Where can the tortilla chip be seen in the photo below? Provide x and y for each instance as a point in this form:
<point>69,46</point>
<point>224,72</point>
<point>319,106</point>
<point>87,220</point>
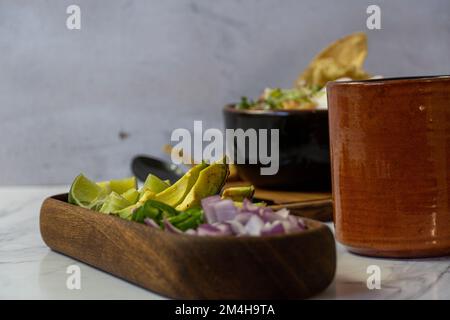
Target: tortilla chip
<point>344,58</point>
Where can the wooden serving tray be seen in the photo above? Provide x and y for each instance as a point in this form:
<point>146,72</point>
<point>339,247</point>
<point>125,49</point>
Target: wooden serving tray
<point>193,267</point>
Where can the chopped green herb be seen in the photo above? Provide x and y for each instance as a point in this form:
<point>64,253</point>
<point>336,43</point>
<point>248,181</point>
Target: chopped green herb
<point>245,103</point>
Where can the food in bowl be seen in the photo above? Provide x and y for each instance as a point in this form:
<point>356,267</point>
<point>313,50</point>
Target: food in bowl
<point>342,60</point>
<point>305,98</point>
<point>300,114</point>
<point>193,205</point>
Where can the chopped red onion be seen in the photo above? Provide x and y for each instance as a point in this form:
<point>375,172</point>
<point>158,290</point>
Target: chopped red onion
<point>208,208</point>
<point>224,228</point>
<point>170,227</point>
<point>210,200</point>
<point>248,206</point>
<point>269,216</point>
<point>236,227</point>
<point>254,226</point>
<point>151,223</point>
<point>224,210</point>
<point>290,227</point>
<point>224,218</point>
<point>273,228</point>
<point>243,217</point>
<point>209,230</point>
<point>296,223</point>
<point>283,213</point>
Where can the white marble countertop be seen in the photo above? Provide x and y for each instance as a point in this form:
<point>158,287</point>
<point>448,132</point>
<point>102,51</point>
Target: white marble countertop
<point>30,270</point>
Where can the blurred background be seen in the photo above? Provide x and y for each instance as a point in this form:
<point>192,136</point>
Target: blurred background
<point>88,100</point>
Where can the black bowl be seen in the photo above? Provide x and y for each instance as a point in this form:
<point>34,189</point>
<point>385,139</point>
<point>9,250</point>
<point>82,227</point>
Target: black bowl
<point>304,149</point>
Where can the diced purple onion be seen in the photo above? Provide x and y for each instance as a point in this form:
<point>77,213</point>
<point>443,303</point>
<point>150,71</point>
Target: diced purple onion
<point>224,210</point>
<point>210,200</point>
<point>269,216</point>
<point>224,228</point>
<point>208,208</point>
<point>243,217</point>
<point>283,213</point>
<point>151,223</point>
<point>236,227</point>
<point>170,227</point>
<point>248,206</point>
<point>273,228</point>
<point>191,232</point>
<point>296,224</point>
<point>254,225</point>
<point>209,230</point>
<point>224,218</point>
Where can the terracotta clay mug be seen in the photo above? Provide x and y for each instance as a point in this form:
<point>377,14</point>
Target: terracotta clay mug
<point>390,159</point>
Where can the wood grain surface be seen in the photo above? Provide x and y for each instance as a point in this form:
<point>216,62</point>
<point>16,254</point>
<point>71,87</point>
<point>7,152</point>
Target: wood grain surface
<point>312,205</point>
<point>191,267</point>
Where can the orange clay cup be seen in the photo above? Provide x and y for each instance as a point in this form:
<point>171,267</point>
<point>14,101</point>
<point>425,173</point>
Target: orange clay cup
<point>390,159</point>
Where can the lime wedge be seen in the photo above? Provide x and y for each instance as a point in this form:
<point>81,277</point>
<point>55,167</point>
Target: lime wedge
<point>84,192</point>
<point>97,204</point>
<point>106,187</point>
<point>155,184</point>
<point>132,195</point>
<point>127,212</point>
<point>122,185</point>
<point>114,203</point>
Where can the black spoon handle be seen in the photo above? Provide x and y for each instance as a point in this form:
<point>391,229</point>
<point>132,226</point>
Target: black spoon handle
<point>141,166</point>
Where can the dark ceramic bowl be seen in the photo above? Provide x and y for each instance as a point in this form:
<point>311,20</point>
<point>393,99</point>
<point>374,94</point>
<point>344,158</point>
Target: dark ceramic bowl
<point>304,151</point>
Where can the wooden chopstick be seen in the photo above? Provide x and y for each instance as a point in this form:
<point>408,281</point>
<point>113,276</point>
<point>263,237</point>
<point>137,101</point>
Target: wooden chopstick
<point>304,204</point>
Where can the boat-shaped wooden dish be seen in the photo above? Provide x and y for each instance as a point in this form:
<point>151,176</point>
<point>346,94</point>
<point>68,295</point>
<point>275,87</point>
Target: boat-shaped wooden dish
<point>290,266</point>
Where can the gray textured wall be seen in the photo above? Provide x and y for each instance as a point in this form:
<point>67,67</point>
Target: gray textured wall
<point>146,67</point>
